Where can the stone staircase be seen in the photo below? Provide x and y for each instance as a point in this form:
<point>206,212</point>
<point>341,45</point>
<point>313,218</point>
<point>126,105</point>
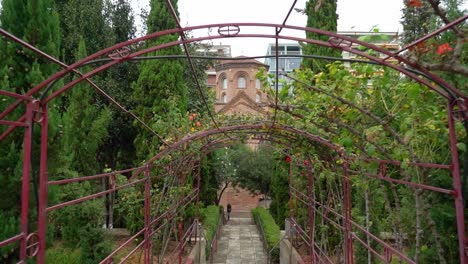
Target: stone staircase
<point>240,241</point>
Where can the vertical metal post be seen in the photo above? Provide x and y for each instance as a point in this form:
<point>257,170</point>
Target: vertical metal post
<point>457,186</point>
<point>291,211</point>
<point>27,143</point>
<point>147,254</point>
<point>197,209</point>
<point>43,178</point>
<point>290,191</point>
<point>181,236</point>
<point>349,258</point>
<point>198,182</point>
<point>310,176</point>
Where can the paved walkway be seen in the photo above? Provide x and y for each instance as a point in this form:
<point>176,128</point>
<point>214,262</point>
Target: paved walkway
<point>240,242</point>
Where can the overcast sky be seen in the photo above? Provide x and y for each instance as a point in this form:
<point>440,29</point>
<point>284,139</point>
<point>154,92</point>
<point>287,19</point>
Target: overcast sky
<point>355,15</point>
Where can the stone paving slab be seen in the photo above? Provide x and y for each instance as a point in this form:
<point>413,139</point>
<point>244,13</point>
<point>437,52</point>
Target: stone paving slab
<point>240,243</point>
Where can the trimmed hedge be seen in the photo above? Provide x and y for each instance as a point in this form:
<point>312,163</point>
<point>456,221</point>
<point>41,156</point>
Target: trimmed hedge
<point>271,230</point>
<point>210,218</point>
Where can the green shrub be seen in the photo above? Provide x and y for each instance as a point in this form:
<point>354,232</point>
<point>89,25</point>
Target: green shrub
<point>59,255</point>
<point>93,246</point>
<point>10,227</point>
<point>210,219</point>
<point>271,231</point>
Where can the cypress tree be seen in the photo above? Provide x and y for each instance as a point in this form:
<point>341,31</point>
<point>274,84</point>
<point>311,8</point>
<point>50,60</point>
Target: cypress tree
<point>82,19</point>
<point>160,91</point>
<point>84,130</point>
<point>85,127</point>
<point>35,21</point>
<point>321,15</point>
<point>118,151</point>
<point>417,22</point>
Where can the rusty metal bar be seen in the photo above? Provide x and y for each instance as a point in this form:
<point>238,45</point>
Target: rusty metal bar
<point>457,186</point>
<point>310,183</point>
<point>398,163</point>
<point>287,17</point>
<point>92,196</point>
<point>27,147</point>
<point>93,177</point>
<point>349,252</point>
<point>363,243</point>
<point>403,182</point>
<point>127,242</point>
<point>124,259</point>
<point>11,128</point>
<point>12,239</point>
<point>147,216</point>
<point>331,34</point>
<point>15,95</point>
<point>13,123</point>
<point>42,215</point>
<point>304,234</point>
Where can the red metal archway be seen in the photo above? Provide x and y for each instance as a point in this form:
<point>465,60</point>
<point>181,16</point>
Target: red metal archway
<point>32,243</point>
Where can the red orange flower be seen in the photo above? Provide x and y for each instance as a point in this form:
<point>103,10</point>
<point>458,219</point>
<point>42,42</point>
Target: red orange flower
<point>444,48</point>
<point>287,159</point>
<point>414,3</point>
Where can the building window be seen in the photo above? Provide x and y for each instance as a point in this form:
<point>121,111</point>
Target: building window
<point>257,98</point>
<point>225,83</point>
<point>224,98</point>
<point>258,85</point>
<point>241,82</point>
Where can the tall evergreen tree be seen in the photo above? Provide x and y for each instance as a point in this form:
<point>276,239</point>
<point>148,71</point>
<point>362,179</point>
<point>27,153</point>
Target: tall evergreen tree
<point>417,22</point>
<point>118,151</point>
<point>20,70</point>
<point>160,91</point>
<point>37,22</point>
<point>85,127</point>
<point>84,130</point>
<point>83,19</point>
<point>322,15</point>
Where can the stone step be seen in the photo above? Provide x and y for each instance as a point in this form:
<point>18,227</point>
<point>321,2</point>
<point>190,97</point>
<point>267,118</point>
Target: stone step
<point>240,221</point>
<point>242,214</point>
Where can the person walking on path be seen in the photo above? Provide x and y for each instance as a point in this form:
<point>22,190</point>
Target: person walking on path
<point>229,208</point>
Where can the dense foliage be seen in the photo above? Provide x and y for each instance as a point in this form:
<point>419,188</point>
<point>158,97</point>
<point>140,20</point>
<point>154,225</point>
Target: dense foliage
<point>160,93</point>
<point>270,229</point>
<point>321,15</point>
<point>211,219</point>
<point>368,111</point>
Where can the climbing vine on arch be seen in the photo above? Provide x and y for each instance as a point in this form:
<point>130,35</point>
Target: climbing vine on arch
<point>375,113</point>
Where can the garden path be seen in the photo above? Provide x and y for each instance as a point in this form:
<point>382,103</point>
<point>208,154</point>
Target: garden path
<point>240,242</point>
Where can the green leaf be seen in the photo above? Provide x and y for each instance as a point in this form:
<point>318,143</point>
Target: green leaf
<point>370,149</point>
<point>347,142</point>
<point>405,164</point>
<point>413,91</point>
<point>424,248</point>
<point>461,147</point>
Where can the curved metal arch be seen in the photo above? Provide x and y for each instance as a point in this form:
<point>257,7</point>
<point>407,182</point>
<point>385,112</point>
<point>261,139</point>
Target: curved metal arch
<point>451,91</point>
<point>221,130</point>
<point>336,45</point>
<point>332,44</point>
<point>399,68</point>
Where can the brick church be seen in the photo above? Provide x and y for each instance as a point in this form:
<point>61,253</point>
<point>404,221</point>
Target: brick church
<point>238,91</point>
